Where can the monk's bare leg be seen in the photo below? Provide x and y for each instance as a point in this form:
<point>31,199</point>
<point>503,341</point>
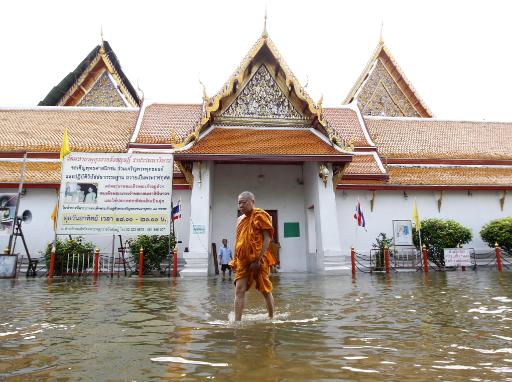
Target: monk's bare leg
<point>240,289</point>
<point>269,299</point>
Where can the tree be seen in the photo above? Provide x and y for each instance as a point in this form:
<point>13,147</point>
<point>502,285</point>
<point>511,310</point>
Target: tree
<point>498,231</point>
<point>381,242</point>
<point>84,252</point>
<point>156,250</point>
<point>438,234</point>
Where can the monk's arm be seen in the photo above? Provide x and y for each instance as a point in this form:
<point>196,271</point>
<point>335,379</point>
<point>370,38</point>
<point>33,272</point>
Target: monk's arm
<point>266,242</point>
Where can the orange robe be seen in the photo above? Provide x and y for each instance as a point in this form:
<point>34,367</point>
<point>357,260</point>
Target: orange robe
<point>249,240</point>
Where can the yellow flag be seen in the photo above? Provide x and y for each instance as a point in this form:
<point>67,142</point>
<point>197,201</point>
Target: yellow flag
<point>64,150</point>
<point>415,216</point>
<point>54,216</point>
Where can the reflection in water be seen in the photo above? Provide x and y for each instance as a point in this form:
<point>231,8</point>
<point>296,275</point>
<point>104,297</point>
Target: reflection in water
<point>448,326</point>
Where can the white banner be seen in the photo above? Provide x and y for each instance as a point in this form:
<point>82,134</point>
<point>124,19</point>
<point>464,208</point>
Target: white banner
<point>455,257</point>
<point>126,194</point>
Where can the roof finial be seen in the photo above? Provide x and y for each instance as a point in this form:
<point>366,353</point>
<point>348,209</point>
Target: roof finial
<point>102,46</point>
<point>206,99</point>
<point>381,37</point>
<point>141,92</point>
<point>264,34</point>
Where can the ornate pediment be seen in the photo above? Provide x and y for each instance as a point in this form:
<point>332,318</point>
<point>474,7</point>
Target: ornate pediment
<point>381,95</point>
<point>262,98</point>
<point>103,93</point>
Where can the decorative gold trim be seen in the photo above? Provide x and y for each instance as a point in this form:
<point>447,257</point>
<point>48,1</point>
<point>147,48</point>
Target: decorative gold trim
<point>337,173</point>
<point>186,170</point>
<point>364,74</point>
<point>214,103</point>
<point>502,199</point>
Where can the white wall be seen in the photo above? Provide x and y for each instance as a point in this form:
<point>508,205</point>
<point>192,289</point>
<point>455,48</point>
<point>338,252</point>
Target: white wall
<point>276,187</point>
<point>39,232</point>
<point>472,210</point>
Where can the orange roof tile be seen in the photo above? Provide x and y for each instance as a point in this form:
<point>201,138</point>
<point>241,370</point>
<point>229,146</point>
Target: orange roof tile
<point>35,172</point>
<point>347,125</point>
<point>160,120</point>
<point>453,176</point>
<point>260,141</point>
<point>89,130</point>
<point>438,139</point>
<point>363,165</point>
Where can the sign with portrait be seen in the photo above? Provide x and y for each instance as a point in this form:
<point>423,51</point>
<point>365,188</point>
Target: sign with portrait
<point>127,194</point>
<point>7,211</point>
<point>457,257</point>
<point>402,232</point>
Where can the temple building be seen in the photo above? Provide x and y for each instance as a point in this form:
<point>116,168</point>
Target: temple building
<point>308,166</point>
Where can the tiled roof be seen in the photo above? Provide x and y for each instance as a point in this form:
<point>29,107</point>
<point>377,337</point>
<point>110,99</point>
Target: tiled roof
<point>437,139</point>
<point>363,165</point>
<point>454,176</point>
<point>346,124</point>
<point>89,130</point>
<point>35,172</point>
<point>160,120</point>
<point>259,141</point>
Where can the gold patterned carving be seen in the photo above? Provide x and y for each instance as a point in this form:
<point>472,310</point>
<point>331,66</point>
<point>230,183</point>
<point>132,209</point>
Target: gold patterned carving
<point>186,170</point>
<point>381,95</point>
<point>262,98</point>
<point>103,93</point>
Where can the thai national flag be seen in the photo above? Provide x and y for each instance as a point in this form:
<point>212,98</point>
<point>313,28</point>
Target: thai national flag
<point>359,216</point>
<point>176,211</point>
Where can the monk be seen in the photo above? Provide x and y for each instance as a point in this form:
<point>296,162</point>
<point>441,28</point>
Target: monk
<point>252,260</point>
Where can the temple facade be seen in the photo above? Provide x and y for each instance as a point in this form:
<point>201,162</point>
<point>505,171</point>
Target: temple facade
<point>307,165</point>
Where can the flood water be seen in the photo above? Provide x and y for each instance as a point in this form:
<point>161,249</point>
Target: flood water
<point>454,326</point>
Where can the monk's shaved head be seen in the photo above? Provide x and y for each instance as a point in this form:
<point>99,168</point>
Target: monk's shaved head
<point>246,195</point>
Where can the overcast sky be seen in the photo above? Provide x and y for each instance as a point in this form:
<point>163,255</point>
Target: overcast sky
<point>457,54</point>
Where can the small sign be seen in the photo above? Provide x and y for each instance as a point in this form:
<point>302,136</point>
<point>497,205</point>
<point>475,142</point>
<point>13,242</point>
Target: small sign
<point>199,228</point>
<point>8,266</point>
<point>291,230</point>
<point>456,257</point>
<point>402,232</point>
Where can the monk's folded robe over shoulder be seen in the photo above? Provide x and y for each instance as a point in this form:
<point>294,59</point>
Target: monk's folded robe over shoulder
<point>249,241</point>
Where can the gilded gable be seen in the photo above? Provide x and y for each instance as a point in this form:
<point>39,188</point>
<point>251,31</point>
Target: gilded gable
<point>262,98</point>
<point>380,95</point>
<point>103,93</point>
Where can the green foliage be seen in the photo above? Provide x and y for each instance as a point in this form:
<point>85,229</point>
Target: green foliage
<point>498,231</point>
<point>381,241</point>
<point>72,247</point>
<point>438,234</point>
<point>156,250</point>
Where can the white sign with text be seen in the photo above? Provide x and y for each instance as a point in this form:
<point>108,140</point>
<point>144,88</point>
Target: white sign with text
<point>456,257</point>
<point>126,194</point>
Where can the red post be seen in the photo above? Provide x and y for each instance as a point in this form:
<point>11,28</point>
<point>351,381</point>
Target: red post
<point>353,260</point>
<point>175,263</point>
<point>141,261</point>
<point>498,257</point>
<point>386,258</point>
<point>95,270</point>
<point>52,263</point>
<point>425,259</point>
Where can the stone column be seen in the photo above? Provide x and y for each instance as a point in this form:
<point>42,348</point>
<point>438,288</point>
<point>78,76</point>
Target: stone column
<point>196,260</point>
<point>323,198</point>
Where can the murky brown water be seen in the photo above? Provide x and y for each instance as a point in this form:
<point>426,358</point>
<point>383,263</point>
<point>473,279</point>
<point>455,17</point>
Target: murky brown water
<point>447,326</point>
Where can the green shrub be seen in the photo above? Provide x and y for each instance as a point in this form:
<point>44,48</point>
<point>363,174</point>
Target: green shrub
<point>498,231</point>
<point>438,234</point>
<point>156,250</point>
<point>70,247</point>
<point>381,241</point>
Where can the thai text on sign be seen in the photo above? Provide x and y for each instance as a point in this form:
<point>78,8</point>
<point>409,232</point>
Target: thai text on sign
<point>455,257</point>
<point>126,194</point>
